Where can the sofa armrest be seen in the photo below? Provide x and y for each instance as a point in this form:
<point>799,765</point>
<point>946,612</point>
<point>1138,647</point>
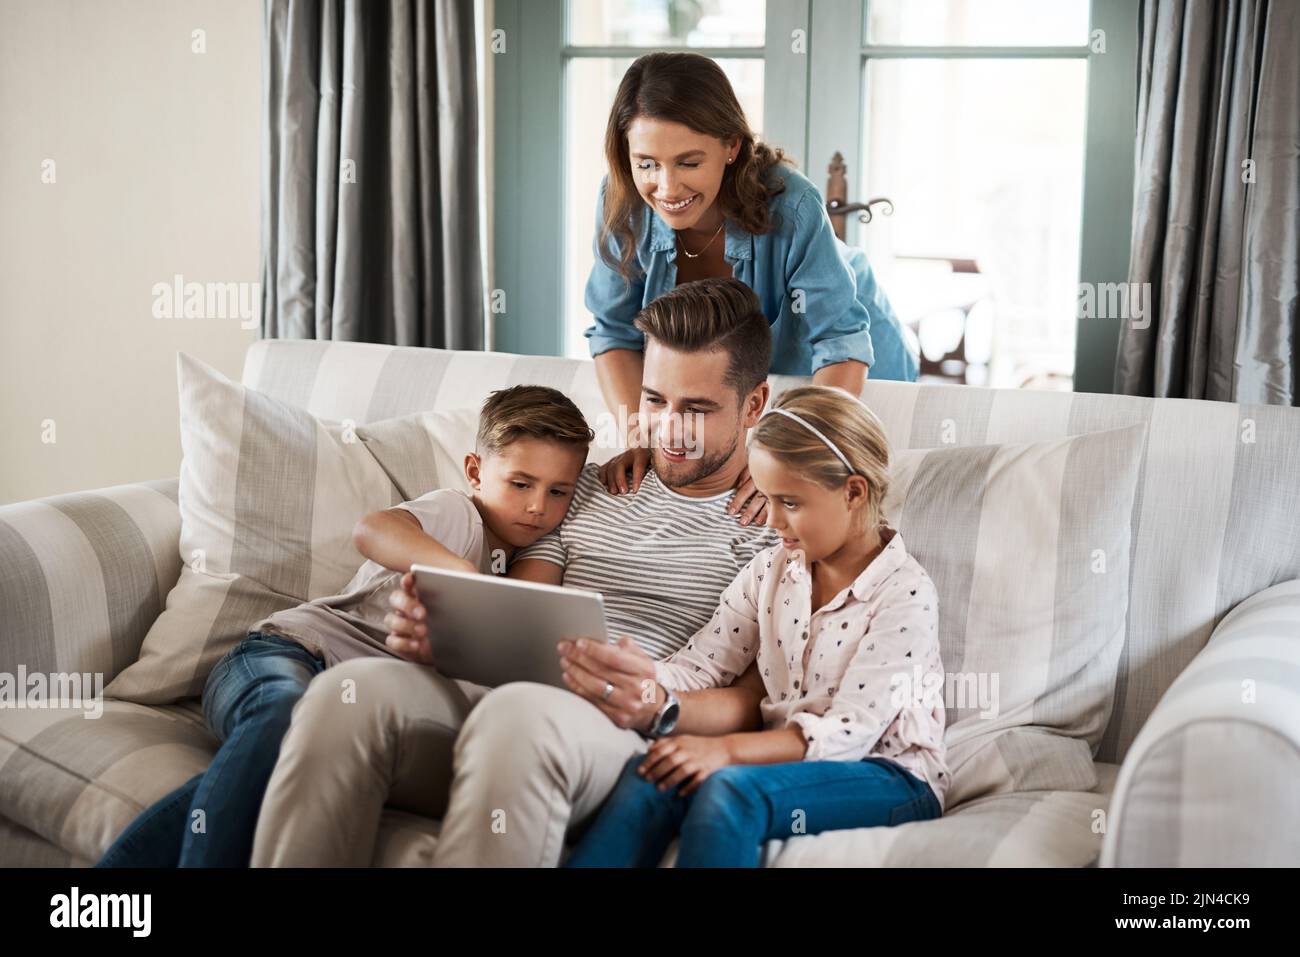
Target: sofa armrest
<point>83,576</point>
<point>1213,777</point>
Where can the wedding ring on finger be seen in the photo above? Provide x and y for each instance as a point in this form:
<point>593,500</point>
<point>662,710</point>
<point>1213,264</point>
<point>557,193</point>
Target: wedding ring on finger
<point>609,690</point>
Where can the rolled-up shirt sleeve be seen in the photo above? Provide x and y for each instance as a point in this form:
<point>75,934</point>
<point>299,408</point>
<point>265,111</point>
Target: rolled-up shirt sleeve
<point>819,280</point>
<point>721,650</point>
<point>612,302</point>
<point>876,686</point>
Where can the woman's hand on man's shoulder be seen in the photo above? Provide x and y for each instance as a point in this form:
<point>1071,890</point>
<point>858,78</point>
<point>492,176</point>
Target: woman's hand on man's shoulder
<point>624,472</point>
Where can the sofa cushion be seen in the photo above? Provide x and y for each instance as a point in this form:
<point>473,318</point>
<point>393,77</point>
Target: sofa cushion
<point>269,496</point>
<point>69,785</point>
<point>1034,828</point>
<point>423,451</point>
<point>19,847</point>
<point>78,781</point>
<point>1028,546</point>
<point>84,577</point>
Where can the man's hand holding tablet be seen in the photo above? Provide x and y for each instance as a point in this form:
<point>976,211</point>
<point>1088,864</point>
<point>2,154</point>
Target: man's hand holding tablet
<point>593,668</point>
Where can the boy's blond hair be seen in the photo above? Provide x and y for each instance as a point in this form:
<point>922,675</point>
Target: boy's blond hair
<point>530,411</point>
<point>854,428</point>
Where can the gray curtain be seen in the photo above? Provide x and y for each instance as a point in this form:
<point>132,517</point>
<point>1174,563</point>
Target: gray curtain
<point>1219,85</point>
<point>370,187</point>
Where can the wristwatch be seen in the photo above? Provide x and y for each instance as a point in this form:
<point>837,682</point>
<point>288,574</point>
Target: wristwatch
<point>666,717</point>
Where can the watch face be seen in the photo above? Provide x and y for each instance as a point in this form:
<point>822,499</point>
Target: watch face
<point>670,717</point>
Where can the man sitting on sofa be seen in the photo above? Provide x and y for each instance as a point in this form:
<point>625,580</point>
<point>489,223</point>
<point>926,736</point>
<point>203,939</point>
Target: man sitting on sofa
<point>532,760</point>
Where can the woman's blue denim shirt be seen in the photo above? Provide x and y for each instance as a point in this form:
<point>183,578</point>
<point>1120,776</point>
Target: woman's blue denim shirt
<point>842,312</point>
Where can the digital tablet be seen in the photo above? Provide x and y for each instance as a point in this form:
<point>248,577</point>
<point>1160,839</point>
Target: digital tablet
<point>492,630</point>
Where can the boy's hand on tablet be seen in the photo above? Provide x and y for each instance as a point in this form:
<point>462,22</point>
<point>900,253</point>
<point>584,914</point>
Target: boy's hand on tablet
<point>408,629</point>
<point>618,678</point>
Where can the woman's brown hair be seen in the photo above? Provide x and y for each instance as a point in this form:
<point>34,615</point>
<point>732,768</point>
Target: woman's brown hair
<point>690,89</point>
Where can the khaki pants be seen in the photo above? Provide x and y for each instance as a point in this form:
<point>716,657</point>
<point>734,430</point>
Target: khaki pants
<point>531,762</point>
<point>369,732</point>
<point>508,770</point>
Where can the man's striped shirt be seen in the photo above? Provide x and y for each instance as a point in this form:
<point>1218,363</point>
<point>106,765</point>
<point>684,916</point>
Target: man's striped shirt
<point>660,559</point>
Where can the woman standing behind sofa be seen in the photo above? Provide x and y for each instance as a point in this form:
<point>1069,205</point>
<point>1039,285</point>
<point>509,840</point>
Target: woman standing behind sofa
<point>677,141</point>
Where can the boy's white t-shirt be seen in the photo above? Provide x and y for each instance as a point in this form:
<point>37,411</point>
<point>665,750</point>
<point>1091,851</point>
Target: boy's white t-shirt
<point>351,623</point>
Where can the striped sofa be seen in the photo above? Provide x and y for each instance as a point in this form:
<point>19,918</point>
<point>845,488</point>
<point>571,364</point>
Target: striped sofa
<point>1199,764</point>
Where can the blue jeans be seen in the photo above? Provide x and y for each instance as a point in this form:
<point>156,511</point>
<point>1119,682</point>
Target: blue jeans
<point>247,702</point>
<point>726,820</point>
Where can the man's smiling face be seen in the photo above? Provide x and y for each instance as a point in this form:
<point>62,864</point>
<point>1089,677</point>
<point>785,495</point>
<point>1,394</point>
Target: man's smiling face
<point>692,417</point>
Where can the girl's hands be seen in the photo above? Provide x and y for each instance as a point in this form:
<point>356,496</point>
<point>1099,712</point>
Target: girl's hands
<point>614,473</point>
<point>686,759</point>
<point>408,629</point>
<point>748,500</point>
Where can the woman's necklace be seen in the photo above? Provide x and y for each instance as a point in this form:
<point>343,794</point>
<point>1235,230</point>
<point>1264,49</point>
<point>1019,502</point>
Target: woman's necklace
<point>691,255</point>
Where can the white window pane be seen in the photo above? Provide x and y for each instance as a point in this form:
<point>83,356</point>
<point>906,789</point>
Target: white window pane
<point>978,22</point>
<point>984,162</point>
<point>697,23</point>
<point>590,85</point>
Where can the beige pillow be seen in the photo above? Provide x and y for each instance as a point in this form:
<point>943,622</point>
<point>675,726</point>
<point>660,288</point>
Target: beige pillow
<point>269,496</point>
<point>1028,545</point>
<point>423,451</point>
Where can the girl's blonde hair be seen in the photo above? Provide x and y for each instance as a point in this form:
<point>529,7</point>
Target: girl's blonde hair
<point>854,428</point>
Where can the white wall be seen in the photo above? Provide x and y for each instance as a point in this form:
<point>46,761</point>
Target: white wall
<point>157,165</point>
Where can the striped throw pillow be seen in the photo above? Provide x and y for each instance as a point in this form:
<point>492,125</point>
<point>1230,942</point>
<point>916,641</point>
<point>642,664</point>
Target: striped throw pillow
<point>269,496</point>
<point>1028,545</point>
<point>424,451</point>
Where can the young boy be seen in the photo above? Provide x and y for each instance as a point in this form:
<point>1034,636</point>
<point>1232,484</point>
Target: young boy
<point>531,446</point>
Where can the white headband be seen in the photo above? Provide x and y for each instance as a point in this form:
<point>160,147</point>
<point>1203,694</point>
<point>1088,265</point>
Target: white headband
<point>829,444</point>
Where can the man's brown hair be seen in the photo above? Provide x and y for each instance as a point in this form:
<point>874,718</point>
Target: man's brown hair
<point>709,314</point>
<point>530,411</point>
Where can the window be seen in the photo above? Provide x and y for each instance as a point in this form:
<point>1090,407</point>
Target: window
<point>982,158</point>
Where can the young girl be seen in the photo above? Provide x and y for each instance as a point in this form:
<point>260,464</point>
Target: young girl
<point>842,625</point>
